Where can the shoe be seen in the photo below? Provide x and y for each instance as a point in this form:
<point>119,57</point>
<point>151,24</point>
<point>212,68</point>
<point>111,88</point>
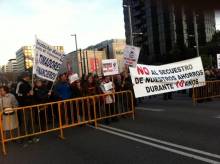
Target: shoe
<point>35,140</point>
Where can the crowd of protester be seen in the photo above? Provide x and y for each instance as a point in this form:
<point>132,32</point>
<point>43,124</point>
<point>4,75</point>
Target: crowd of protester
<point>67,86</point>
<point>212,73</point>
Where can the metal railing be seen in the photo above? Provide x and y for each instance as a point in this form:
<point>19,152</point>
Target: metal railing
<point>211,89</point>
<point>30,121</point>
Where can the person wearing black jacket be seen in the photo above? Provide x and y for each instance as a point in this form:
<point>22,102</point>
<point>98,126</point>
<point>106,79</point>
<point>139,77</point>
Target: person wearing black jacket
<point>24,91</point>
<point>24,95</point>
<point>41,96</point>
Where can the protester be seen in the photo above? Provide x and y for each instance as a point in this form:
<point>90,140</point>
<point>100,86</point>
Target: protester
<point>24,91</point>
<point>62,88</point>
<point>62,91</point>
<point>118,83</point>
<point>128,85</point>
<point>76,93</point>
<point>24,94</point>
<point>75,86</point>
<point>89,87</point>
<point>41,96</point>
<point>108,99</point>
<point>7,103</point>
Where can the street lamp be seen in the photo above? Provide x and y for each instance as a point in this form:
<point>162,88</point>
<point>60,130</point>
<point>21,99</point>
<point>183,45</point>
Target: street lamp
<point>130,23</point>
<point>196,33</point>
<point>75,41</point>
<point>77,50</point>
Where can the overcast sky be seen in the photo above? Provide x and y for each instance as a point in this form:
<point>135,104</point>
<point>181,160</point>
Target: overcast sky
<point>54,20</point>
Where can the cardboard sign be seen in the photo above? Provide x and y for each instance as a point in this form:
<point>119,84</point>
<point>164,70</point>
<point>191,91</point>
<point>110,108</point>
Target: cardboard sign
<point>110,67</point>
<point>151,80</point>
<point>108,86</point>
<point>131,55</point>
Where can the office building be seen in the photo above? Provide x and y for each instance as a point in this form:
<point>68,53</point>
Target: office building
<point>24,57</point>
<point>113,48</point>
<point>12,66</point>
<point>164,26</point>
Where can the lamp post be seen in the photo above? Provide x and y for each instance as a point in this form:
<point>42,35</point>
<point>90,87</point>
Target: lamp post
<point>196,33</point>
<point>130,23</point>
<point>77,51</point>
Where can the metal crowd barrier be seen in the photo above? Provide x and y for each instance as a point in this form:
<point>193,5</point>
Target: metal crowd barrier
<point>211,89</point>
<point>26,122</point>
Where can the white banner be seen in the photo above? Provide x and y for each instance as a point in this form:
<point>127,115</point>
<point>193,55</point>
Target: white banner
<point>151,80</point>
<point>47,61</point>
<point>218,61</point>
<point>110,67</point>
<point>131,55</point>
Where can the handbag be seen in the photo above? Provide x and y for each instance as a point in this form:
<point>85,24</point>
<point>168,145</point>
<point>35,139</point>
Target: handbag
<point>8,111</point>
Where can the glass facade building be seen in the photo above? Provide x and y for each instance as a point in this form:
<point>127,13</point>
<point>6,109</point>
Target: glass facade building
<point>24,57</point>
<point>165,25</point>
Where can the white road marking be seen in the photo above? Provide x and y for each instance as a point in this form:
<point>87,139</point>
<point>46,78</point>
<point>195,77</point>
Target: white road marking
<point>217,116</point>
<point>160,146</point>
<point>163,142</point>
<point>150,109</point>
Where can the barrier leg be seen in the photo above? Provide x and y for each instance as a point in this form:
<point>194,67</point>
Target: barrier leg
<point>2,137</point>
<point>95,120</point>
<point>60,123</point>
<point>132,105</point>
<point>194,96</point>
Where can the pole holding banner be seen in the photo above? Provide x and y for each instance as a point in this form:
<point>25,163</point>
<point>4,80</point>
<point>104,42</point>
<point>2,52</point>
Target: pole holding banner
<point>34,64</point>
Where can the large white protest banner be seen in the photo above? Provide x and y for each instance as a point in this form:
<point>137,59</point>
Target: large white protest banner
<point>110,67</point>
<point>218,61</point>
<point>151,80</point>
<point>131,55</point>
<point>47,61</point>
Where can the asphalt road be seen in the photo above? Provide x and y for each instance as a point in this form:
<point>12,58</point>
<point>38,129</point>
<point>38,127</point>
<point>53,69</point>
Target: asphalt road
<point>168,132</point>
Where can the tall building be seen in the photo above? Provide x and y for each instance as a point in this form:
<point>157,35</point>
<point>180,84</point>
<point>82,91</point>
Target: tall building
<point>12,66</point>
<point>163,26</point>
<point>24,57</point>
<point>113,48</point>
<point>3,68</point>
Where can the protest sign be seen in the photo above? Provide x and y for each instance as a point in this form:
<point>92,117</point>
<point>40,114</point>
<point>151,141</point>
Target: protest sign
<point>131,54</point>
<point>218,61</point>
<point>110,67</point>
<point>108,86</point>
<point>47,61</point>
<point>151,80</point>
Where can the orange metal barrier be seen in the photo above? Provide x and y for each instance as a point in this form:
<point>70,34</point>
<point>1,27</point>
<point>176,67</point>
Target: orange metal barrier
<point>30,121</point>
<point>211,89</point>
